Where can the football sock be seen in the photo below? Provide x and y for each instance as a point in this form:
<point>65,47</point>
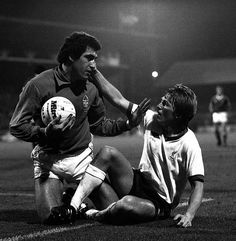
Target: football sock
<point>225,139</point>
<point>67,196</point>
<point>218,138</point>
<point>92,178</point>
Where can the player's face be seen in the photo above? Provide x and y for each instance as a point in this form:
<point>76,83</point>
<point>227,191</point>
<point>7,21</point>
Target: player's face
<point>219,91</point>
<point>83,66</point>
<point>165,111</point>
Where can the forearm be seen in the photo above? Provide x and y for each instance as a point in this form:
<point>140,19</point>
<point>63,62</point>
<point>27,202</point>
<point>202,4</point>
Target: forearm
<point>21,125</point>
<point>108,127</point>
<point>28,132</point>
<point>110,92</point>
<point>195,199</point>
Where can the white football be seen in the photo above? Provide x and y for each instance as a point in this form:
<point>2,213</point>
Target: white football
<point>57,106</point>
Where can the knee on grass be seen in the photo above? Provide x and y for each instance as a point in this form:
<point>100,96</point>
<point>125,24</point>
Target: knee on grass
<point>43,215</point>
<point>47,217</point>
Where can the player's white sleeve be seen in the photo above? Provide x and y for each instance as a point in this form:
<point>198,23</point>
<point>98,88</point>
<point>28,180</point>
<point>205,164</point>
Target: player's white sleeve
<point>195,160</point>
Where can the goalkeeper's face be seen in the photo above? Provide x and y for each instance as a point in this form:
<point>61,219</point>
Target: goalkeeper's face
<point>83,67</point>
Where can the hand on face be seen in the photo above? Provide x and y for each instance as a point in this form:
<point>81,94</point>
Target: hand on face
<point>85,66</point>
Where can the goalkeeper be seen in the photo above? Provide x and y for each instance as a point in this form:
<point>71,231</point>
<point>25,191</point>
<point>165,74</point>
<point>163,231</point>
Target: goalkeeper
<point>65,150</point>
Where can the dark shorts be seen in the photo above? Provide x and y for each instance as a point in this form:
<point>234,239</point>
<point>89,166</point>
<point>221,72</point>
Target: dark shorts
<point>142,188</point>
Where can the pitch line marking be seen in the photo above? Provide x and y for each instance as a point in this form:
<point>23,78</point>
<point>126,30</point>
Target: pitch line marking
<point>46,232</point>
<point>204,200</point>
<point>64,229</point>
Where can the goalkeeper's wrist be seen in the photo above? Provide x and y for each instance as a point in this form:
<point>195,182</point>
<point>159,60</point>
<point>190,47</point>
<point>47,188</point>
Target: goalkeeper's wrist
<point>41,135</point>
<point>44,132</point>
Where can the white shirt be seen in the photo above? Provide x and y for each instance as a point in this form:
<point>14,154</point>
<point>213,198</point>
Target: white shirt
<point>168,164</point>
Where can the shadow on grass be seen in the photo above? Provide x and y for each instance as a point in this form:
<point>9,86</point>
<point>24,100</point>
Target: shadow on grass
<point>27,216</point>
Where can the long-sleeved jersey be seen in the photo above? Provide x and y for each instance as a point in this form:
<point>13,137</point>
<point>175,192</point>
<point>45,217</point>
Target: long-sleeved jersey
<point>219,104</point>
<point>89,106</point>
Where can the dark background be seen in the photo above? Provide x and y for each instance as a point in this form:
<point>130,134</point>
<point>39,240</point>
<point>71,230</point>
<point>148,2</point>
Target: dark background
<point>141,35</point>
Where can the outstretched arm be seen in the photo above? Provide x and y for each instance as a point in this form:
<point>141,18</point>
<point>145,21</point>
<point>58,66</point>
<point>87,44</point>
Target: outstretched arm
<point>134,113</point>
<point>185,220</point>
<point>110,92</point>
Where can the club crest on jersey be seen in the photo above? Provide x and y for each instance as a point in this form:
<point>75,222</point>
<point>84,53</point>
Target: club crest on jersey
<point>85,103</point>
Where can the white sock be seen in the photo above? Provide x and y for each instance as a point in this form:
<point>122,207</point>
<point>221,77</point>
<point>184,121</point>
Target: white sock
<point>92,178</point>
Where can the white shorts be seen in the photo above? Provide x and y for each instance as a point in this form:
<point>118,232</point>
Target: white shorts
<point>56,166</point>
<point>219,117</point>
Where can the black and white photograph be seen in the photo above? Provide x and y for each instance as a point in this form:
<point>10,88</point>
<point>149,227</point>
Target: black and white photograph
<point>118,120</point>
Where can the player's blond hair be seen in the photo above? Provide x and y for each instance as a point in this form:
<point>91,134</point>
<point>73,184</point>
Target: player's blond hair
<point>184,101</point>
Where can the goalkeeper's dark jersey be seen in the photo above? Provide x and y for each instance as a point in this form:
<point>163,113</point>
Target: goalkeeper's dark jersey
<point>90,113</point>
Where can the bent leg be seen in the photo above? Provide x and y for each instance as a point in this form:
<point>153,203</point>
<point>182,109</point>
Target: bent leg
<point>48,194</point>
<point>111,161</point>
<point>120,172</point>
<point>129,209</point>
<point>103,196</point>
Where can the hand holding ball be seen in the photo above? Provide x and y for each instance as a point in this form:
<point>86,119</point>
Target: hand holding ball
<point>57,106</point>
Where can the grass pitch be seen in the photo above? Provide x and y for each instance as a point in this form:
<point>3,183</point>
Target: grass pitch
<point>215,220</point>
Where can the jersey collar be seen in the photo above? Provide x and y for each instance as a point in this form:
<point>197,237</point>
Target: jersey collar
<point>60,77</point>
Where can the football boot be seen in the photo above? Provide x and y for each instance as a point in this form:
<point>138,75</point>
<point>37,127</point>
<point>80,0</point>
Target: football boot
<point>65,214</point>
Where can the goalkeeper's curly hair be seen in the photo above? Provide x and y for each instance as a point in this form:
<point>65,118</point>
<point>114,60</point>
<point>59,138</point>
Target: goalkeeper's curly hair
<point>75,45</point>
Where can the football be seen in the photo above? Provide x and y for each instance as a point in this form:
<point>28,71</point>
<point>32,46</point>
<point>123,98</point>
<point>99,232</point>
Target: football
<point>57,106</point>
